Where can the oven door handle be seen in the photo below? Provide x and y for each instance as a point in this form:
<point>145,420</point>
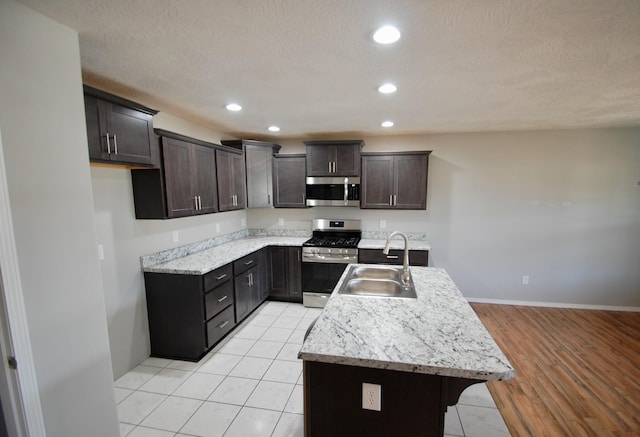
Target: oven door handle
<point>340,259</point>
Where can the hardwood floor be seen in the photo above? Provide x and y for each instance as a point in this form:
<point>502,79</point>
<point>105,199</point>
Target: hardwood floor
<point>577,371</point>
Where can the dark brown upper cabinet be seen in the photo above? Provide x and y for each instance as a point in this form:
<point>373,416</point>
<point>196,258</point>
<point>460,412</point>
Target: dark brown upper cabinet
<point>231,180</point>
<point>333,158</point>
<point>289,181</point>
<point>190,178</point>
<point>119,131</point>
<point>184,184</point>
<point>258,157</point>
<point>394,180</point>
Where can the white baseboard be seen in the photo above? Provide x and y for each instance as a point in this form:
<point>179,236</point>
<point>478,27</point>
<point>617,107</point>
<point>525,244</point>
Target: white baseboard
<point>554,304</point>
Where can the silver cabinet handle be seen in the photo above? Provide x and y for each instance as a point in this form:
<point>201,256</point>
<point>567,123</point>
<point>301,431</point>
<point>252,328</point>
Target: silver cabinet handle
<point>298,252</point>
<point>251,278</point>
<point>390,200</point>
<point>392,256</point>
<point>115,144</point>
<point>395,200</point>
<point>224,297</point>
<point>222,325</point>
<point>108,144</point>
<point>224,275</point>
<point>329,166</point>
<point>248,263</point>
<point>195,202</point>
<point>200,202</point>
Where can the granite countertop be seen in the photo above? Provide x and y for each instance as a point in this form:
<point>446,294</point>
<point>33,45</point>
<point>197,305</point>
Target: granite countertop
<point>210,258</point>
<point>438,333</point>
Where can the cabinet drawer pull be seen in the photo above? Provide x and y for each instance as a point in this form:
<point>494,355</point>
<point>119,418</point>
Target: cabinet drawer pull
<point>392,256</point>
<point>223,324</point>
<point>224,297</point>
<point>115,144</point>
<point>248,263</point>
<point>222,276</point>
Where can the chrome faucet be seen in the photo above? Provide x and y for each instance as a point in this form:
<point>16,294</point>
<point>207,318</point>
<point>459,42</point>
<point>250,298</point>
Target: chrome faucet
<point>405,269</point>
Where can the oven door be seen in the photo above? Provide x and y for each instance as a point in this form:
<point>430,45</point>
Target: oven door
<point>321,277</point>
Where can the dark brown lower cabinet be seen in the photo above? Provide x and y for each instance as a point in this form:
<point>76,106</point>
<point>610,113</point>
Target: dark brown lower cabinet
<point>395,257</point>
<point>412,404</point>
<point>250,284</point>
<point>189,314</point>
<point>285,275</point>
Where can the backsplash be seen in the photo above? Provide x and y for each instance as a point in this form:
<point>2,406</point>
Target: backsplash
<point>379,235</point>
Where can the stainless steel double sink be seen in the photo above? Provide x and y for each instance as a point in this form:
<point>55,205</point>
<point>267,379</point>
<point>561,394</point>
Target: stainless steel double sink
<point>377,281</point>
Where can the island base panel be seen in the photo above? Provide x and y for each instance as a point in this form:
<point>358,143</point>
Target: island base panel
<point>412,404</point>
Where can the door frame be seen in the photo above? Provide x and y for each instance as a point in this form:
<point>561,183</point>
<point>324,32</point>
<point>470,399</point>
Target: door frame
<point>18,387</point>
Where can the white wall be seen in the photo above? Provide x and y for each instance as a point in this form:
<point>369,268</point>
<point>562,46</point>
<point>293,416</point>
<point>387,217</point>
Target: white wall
<point>44,136</point>
<point>562,207</point>
<point>126,239</point>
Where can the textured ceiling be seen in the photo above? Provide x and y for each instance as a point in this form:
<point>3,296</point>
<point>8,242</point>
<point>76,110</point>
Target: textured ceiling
<point>311,67</point>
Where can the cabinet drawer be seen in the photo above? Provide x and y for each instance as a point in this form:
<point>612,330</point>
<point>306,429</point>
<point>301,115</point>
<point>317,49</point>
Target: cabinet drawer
<point>218,299</point>
<point>245,263</point>
<point>396,256</point>
<point>219,326</point>
<point>217,277</point>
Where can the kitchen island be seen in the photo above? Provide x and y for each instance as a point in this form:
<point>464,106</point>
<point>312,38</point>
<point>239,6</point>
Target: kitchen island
<point>421,352</point>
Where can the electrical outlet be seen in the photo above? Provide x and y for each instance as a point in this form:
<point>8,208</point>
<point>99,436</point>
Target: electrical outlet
<point>176,237</point>
<point>525,279</point>
<point>217,227</point>
<point>383,224</point>
<point>281,221</point>
<point>371,394</point>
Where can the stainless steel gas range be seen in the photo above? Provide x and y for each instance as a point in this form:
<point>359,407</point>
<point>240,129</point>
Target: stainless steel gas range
<point>325,256</point>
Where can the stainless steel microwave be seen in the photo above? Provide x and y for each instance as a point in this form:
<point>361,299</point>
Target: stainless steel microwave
<point>333,191</point>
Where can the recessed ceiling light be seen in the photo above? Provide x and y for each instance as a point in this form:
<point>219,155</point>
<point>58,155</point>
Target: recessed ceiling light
<point>234,107</point>
<point>387,88</point>
<point>387,123</point>
<point>386,35</point>
<point>273,129</point>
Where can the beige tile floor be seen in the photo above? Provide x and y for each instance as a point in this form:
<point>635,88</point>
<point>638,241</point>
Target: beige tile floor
<point>250,385</point>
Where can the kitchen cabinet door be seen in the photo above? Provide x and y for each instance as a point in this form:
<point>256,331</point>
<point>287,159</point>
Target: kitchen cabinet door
<point>190,178</point>
<point>289,181</point>
<point>176,156</point>
<point>243,290</point>
<point>258,156</point>
<point>118,131</point>
<point>410,180</point>
<point>203,179</point>
<point>231,180</point>
<point>333,158</point>
<point>377,185</point>
<point>285,273</point>
<point>294,272</point>
<point>394,181</point>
